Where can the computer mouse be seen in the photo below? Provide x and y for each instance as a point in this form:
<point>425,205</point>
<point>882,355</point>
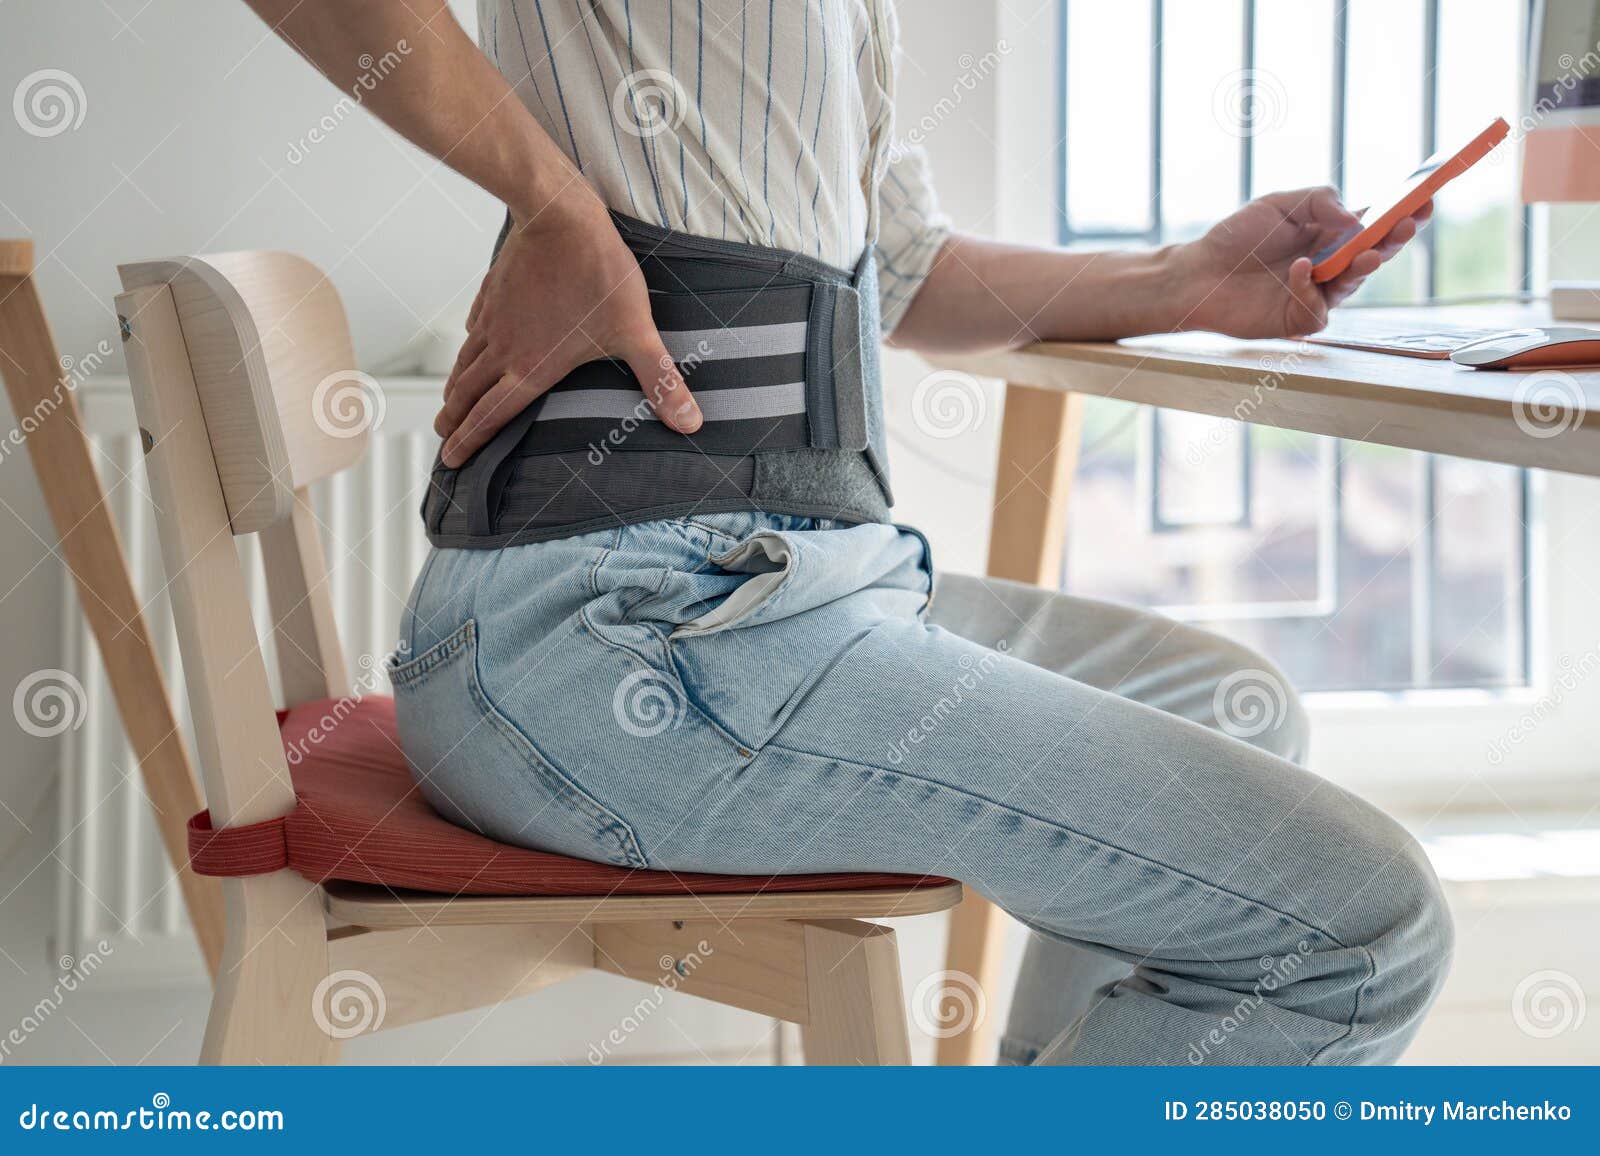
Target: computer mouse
<point>1535,348</point>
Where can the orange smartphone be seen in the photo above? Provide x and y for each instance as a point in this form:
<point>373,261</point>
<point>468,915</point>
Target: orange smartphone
<point>1431,176</point>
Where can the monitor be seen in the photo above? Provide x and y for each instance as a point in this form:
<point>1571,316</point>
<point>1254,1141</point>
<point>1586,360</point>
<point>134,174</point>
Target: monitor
<point>1560,127</point>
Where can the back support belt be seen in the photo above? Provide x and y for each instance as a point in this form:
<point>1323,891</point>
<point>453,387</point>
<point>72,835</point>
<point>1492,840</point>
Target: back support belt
<point>781,353</point>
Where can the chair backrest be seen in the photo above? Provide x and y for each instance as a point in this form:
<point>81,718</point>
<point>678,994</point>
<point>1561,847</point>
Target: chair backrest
<point>242,370</point>
<point>270,351</point>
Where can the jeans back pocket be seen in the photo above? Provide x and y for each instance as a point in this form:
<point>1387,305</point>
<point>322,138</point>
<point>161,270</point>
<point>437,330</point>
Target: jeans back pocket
<point>480,770</point>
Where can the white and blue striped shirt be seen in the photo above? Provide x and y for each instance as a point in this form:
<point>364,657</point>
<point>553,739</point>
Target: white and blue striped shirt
<point>751,120</point>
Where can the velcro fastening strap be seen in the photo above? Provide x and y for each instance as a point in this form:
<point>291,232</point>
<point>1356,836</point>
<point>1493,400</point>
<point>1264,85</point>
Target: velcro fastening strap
<point>253,849</point>
<point>848,371</point>
<point>821,412</point>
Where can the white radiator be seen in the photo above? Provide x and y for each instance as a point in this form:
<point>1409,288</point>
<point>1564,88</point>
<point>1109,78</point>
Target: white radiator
<point>114,882</point>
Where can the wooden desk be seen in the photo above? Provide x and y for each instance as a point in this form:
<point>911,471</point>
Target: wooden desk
<point>1547,420</point>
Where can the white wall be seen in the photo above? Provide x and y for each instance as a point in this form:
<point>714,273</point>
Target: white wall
<point>944,485</point>
<point>189,112</point>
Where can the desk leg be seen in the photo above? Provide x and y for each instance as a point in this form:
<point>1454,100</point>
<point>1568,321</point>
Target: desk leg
<point>1038,453</point>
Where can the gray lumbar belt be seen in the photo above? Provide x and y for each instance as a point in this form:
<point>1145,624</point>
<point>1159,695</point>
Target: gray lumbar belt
<point>781,352</point>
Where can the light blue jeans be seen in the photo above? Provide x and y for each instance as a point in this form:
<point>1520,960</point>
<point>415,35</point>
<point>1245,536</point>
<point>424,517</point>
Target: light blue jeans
<point>752,693</point>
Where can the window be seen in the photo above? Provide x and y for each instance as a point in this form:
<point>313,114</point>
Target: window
<point>1355,566</point>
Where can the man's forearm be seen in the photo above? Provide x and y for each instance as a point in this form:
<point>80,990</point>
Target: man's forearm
<point>984,294</point>
<point>445,97</point>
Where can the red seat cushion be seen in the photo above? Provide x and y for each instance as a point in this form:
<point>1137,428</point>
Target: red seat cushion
<point>359,817</point>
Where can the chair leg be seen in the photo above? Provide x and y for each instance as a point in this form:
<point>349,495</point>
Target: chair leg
<point>275,955</point>
<point>857,1012</point>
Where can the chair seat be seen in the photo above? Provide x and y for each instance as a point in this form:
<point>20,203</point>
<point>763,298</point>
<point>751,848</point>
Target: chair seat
<point>377,908</point>
<point>360,818</point>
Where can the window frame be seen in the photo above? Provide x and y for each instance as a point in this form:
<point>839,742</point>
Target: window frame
<point>1427,749</point>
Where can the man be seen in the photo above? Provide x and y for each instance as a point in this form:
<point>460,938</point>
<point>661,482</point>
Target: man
<point>709,650</point>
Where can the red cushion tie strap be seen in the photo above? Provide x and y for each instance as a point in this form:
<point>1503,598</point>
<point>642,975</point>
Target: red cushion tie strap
<point>254,849</point>
<point>257,849</point>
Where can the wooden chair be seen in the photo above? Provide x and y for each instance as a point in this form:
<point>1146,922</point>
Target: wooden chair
<point>225,356</point>
<point>91,550</point>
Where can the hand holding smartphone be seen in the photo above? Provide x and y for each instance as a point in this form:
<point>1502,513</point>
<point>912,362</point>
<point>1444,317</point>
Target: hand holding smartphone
<point>1431,176</point>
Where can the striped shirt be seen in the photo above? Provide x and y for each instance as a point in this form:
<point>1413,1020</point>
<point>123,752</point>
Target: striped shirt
<point>748,120</point>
